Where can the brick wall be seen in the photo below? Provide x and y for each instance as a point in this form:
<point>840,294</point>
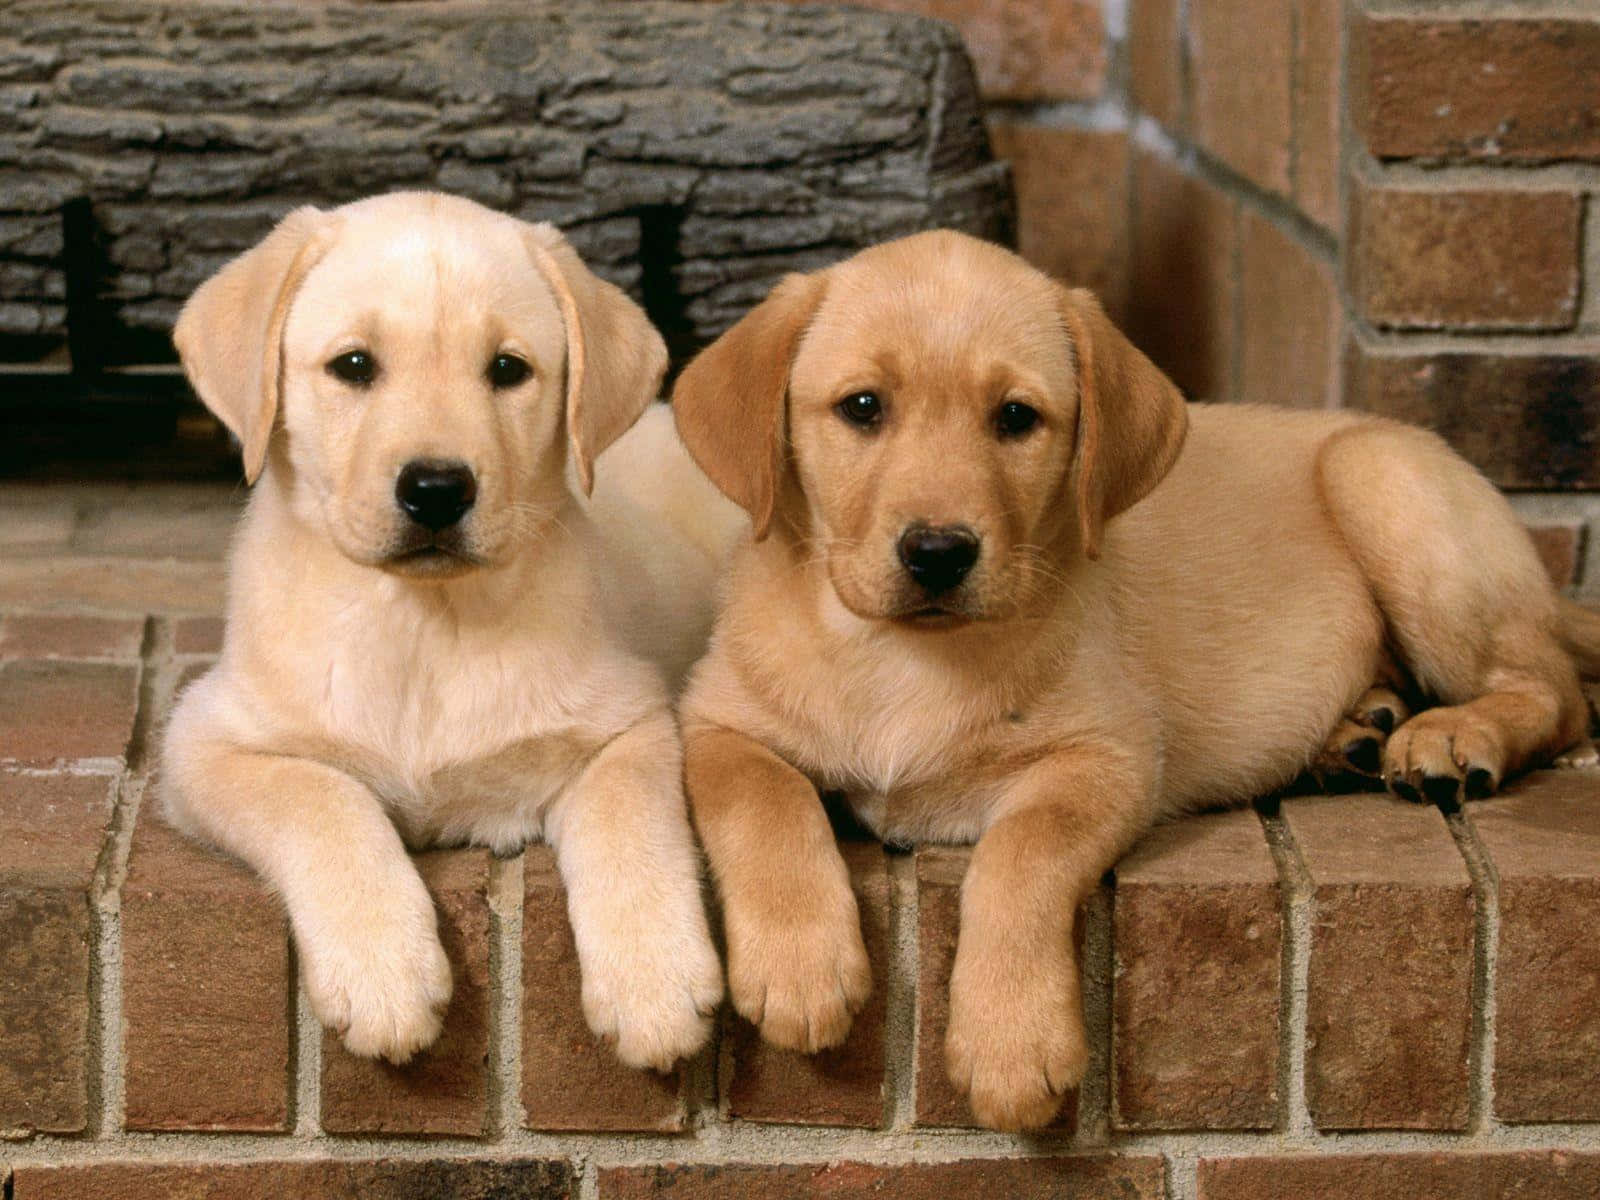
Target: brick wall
<point>1348,997</point>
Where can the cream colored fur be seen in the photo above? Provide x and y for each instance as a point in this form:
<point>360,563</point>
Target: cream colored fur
<point>1173,607</point>
<point>363,704</point>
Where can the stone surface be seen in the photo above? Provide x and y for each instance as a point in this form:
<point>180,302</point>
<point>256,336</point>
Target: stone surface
<point>1498,90</point>
<point>1197,934</point>
<point>370,1179</point>
<point>694,152</point>
<point>51,831</point>
<point>570,1080</point>
<point>939,874</point>
<point>206,987</point>
<point>1072,204</point>
<point>1523,1174</point>
<point>1240,70</point>
<point>47,637</point>
<point>1290,317</point>
<point>1182,293</point>
<point>1465,258</point>
<point>842,1086</point>
<point>54,712</point>
<point>1103,1177</point>
<point>197,635</point>
<point>1543,836</point>
<point>1389,991</point>
<point>1525,420</point>
<point>1319,38</point>
<point>445,1089</point>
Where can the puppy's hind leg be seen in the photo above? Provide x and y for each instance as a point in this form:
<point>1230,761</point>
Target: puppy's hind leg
<point>1468,607</point>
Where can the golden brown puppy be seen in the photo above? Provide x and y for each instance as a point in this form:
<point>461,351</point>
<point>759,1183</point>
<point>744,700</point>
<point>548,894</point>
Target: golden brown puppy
<point>969,606</point>
<point>432,637</point>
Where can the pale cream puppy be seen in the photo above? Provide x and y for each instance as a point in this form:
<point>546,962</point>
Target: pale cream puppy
<point>384,683</point>
<point>1111,607</point>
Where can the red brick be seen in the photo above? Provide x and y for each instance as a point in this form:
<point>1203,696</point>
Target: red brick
<point>1197,931</point>
<point>206,987</point>
<point>52,828</point>
<point>1290,316</point>
<point>73,583</point>
<point>1102,1177</point>
<point>939,874</point>
<point>1318,38</point>
<point>1182,293</point>
<point>1465,259</point>
<point>842,1086</point>
<point>1072,204</point>
<point>569,1079</point>
<point>1025,50</point>
<point>1524,420</point>
<point>1455,1175</point>
<point>1240,52</point>
<point>1543,837</point>
<point>197,635</point>
<point>1153,60</point>
<point>370,1179</point>
<point>44,636</point>
<point>445,1089</point>
<point>1389,994</point>
<point>1513,90</point>
<point>1560,548</point>
<point>54,712</point>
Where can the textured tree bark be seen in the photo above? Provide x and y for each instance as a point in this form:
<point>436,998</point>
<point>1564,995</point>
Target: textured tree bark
<point>693,152</point>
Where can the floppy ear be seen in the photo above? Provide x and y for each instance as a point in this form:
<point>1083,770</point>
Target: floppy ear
<point>729,403</point>
<point>615,357</point>
<point>1131,418</point>
<point>230,333</point>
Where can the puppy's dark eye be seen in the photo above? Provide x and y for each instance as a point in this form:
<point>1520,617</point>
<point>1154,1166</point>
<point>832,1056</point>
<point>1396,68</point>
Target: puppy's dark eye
<point>1013,419</point>
<point>507,370</point>
<point>862,408</point>
<point>355,367</point>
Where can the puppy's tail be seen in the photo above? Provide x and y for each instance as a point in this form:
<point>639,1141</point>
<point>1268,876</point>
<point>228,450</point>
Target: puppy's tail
<point>1580,637</point>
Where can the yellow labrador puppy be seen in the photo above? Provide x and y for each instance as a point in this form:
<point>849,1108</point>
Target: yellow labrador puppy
<point>430,639</point>
<point>969,606</point>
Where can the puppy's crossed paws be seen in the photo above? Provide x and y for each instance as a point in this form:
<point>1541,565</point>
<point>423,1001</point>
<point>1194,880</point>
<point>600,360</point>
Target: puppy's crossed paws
<point>1014,1050</point>
<point>383,984</point>
<point>655,1004</point>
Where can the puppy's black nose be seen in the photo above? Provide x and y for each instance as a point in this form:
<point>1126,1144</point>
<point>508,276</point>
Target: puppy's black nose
<point>435,494</point>
<point>937,557</point>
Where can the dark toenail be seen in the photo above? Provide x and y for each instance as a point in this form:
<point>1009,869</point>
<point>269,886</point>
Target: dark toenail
<point>1480,783</point>
<point>1405,791</point>
<point>1441,789</point>
<point>1363,755</point>
<point>1382,719</point>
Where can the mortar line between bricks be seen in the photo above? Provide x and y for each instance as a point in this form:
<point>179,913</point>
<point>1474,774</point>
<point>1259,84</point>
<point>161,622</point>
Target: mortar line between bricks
<point>1182,1176</point>
<point>762,1145</point>
<point>1574,343</point>
<point>1294,979</point>
<point>505,990</point>
<point>900,996</point>
<point>307,1055</point>
<point>1486,942</point>
<point>588,1179</point>
<point>1456,10</point>
<point>1446,178</point>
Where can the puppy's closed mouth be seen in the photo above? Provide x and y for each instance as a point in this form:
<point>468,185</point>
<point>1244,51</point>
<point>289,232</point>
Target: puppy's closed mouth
<point>933,617</point>
<point>432,558</point>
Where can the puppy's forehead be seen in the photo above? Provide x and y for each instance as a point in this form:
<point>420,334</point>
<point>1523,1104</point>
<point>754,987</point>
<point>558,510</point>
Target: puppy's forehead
<point>941,302</point>
<point>423,265</point>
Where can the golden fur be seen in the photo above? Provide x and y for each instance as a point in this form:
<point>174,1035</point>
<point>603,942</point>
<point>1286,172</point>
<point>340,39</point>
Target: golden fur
<point>1120,650</point>
<point>516,688</point>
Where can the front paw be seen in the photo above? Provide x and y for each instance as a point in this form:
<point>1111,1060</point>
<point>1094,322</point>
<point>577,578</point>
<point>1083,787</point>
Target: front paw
<point>655,1002</point>
<point>801,981</point>
<point>1015,1044</point>
<point>381,979</point>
